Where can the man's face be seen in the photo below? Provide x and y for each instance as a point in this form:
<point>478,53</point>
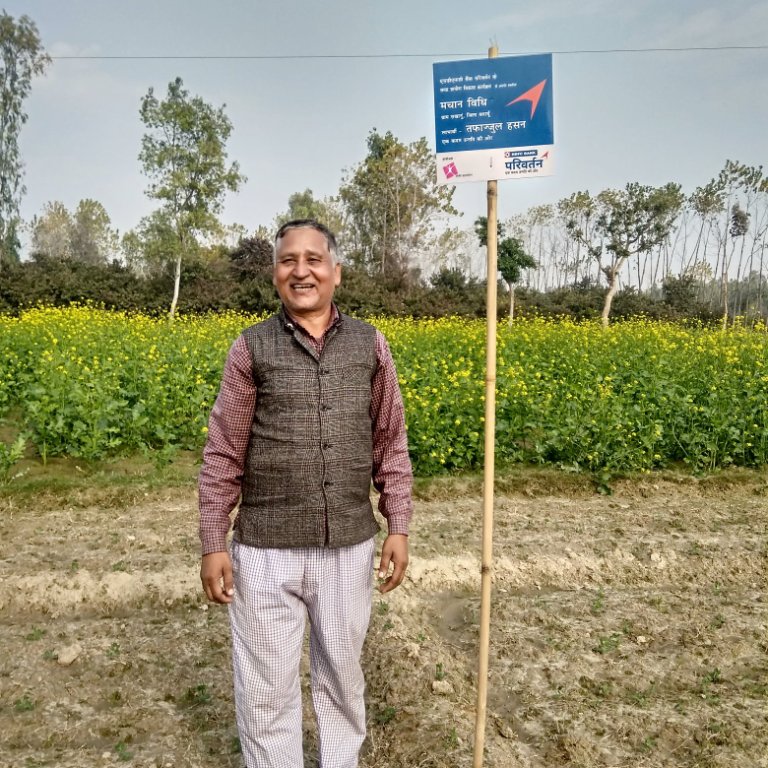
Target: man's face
<point>304,273</point>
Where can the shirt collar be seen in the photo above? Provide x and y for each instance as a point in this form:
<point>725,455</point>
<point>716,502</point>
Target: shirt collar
<point>291,322</point>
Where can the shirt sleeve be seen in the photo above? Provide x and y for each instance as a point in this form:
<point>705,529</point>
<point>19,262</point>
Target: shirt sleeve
<point>392,474</point>
<point>229,428</point>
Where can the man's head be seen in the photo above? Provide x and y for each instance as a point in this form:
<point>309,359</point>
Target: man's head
<point>330,238</point>
<point>305,271</point>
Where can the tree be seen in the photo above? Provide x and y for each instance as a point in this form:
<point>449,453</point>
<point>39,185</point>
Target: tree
<point>680,294</point>
<point>579,212</point>
<point>51,232</point>
<point>304,205</point>
<point>183,154</point>
<point>707,203</point>
<point>21,58</point>
<point>743,187</point>
<point>454,249</point>
<point>392,204</point>
<point>535,231</point>
<point>231,234</point>
<point>150,248</point>
<point>481,230</point>
<point>250,265</point>
<point>633,221</point>
<point>83,236</point>
<point>513,259</point>
<point>93,239</point>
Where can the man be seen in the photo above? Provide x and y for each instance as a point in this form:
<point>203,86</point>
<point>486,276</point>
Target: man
<point>309,411</point>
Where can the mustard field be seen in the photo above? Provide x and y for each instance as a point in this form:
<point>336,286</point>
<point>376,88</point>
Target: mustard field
<point>639,395</point>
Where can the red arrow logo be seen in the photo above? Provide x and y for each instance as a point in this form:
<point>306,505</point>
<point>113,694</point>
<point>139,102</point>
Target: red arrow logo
<point>533,95</point>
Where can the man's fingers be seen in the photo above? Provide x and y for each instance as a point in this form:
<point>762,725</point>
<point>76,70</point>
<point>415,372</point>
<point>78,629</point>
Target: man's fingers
<point>228,582</point>
<point>394,552</point>
<point>216,575</point>
<point>384,564</point>
<point>394,580</point>
<point>218,594</point>
<point>212,590</point>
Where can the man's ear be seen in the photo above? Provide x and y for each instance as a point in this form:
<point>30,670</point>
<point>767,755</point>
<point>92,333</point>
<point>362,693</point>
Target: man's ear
<point>337,275</point>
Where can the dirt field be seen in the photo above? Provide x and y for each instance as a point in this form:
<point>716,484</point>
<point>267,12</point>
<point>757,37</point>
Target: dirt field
<point>627,631</point>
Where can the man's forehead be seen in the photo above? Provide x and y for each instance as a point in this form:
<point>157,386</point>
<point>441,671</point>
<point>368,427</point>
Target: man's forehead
<point>303,239</point>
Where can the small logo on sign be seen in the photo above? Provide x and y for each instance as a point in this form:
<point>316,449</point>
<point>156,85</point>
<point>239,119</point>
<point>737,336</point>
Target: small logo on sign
<point>450,170</point>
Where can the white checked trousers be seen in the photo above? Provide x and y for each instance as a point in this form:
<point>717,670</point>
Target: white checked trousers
<point>274,591</point>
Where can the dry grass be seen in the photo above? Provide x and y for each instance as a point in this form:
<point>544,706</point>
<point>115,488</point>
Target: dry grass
<point>627,631</point>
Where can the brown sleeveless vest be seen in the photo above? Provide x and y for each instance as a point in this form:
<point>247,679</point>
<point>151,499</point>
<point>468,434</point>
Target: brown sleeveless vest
<point>308,468</point>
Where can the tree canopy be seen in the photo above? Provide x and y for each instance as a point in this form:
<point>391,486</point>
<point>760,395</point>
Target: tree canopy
<point>183,153</point>
<point>304,205</point>
<point>85,235</point>
<point>392,204</point>
<point>21,58</point>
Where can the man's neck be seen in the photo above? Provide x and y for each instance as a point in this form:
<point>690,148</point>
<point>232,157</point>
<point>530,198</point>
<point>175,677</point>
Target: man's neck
<point>314,324</point>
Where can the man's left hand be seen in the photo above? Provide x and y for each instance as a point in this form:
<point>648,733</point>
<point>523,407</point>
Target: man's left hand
<point>395,553</point>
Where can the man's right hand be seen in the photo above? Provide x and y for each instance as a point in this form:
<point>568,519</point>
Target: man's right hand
<point>216,575</point>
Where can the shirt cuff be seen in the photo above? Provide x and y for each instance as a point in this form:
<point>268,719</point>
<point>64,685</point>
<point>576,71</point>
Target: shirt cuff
<point>214,542</point>
<point>397,525</point>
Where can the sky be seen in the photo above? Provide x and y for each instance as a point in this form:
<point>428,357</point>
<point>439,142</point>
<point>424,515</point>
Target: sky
<point>333,71</point>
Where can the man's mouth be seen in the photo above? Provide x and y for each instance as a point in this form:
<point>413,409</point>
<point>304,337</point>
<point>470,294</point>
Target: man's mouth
<point>302,286</point>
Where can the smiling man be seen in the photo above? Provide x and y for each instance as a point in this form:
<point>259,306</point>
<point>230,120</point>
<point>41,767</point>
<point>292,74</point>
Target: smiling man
<point>308,414</point>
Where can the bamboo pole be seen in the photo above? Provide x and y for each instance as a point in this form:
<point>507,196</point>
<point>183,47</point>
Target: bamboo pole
<point>488,468</point>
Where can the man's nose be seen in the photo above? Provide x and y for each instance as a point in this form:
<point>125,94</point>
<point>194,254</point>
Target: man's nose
<point>301,267</point>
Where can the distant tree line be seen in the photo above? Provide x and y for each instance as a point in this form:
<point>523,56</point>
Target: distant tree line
<point>240,279</point>
<point>637,249</point>
<point>713,241</point>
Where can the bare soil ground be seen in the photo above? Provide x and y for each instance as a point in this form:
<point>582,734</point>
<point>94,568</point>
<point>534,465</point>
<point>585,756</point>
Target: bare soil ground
<point>627,631</point>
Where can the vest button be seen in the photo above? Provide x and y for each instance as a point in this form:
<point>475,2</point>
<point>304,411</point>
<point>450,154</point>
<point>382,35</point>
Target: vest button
<point>327,483</point>
<point>325,407</point>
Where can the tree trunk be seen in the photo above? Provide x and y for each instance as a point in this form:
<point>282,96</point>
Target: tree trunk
<point>706,290</point>
<point>511,303</point>
<point>737,305</point>
<point>176,284</point>
<point>384,248</point>
<point>749,302</point>
<point>760,283</point>
<point>726,264</point>
<point>613,285</point>
<point>577,264</point>
<point>399,225</point>
<point>695,255</point>
<point>724,288</point>
<point>655,270</point>
<point>642,270</point>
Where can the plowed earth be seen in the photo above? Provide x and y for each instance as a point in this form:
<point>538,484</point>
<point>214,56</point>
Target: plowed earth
<point>627,631</point>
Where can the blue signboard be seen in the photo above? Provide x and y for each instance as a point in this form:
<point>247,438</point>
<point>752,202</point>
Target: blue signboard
<point>494,118</point>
